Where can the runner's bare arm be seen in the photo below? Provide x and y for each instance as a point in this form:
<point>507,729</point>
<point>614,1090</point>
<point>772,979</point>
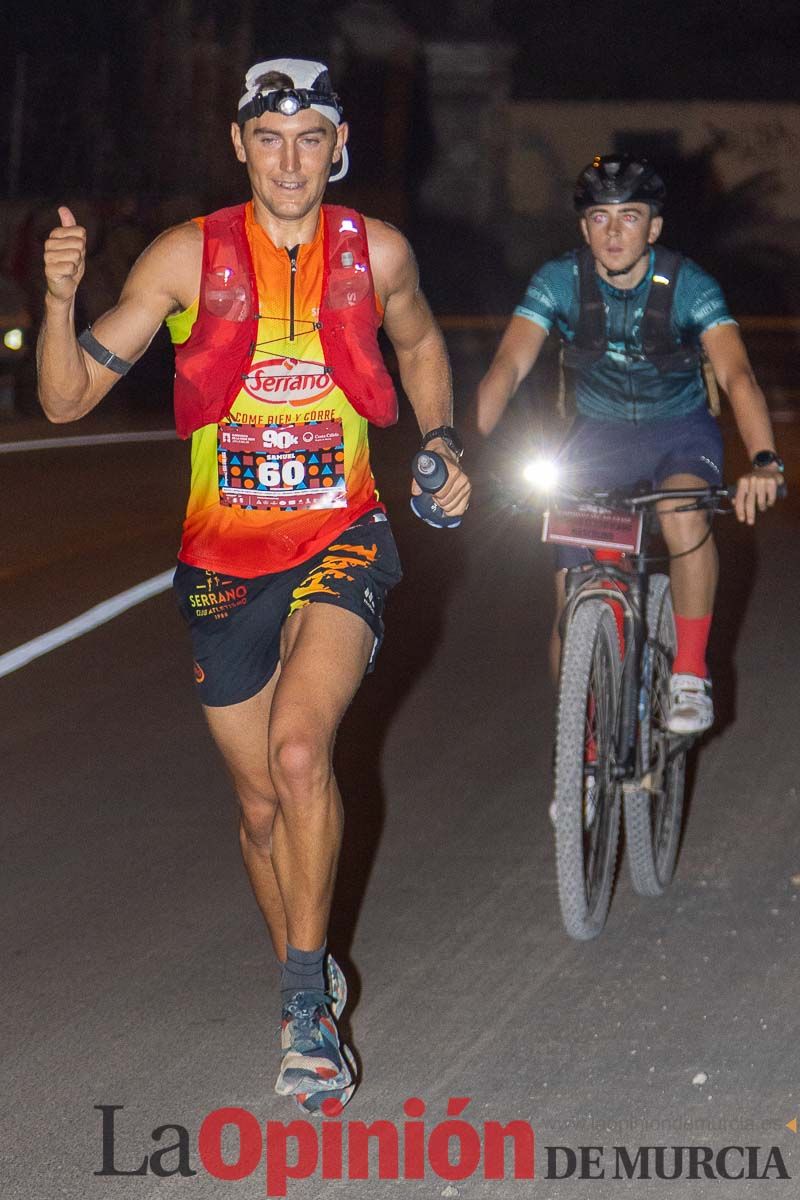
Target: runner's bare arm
<point>514,358</point>
<point>420,349</point>
<point>164,279</point>
<point>411,328</point>
<point>724,346</point>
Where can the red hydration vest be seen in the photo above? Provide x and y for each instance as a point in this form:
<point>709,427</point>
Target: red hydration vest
<point>210,364</point>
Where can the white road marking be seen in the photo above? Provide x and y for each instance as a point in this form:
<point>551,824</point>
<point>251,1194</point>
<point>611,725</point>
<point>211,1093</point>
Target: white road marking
<point>92,439</point>
<point>105,611</point>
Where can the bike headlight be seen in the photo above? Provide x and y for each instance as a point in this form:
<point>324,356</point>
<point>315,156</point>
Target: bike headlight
<point>13,339</point>
<point>542,473</point>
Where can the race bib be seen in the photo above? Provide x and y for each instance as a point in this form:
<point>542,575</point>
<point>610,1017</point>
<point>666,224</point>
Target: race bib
<point>282,466</point>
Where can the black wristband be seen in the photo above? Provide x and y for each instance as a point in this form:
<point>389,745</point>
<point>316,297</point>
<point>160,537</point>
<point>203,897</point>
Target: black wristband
<point>101,353</point>
<point>448,435</point>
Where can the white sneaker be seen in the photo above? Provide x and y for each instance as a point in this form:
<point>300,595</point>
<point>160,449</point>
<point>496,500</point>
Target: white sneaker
<point>691,709</point>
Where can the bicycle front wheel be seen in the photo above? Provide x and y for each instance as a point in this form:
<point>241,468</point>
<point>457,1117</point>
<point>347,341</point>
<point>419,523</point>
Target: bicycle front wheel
<point>653,813</point>
<point>587,796</point>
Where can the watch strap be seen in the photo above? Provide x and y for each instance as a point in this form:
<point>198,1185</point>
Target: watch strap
<point>448,435</point>
<point>767,458</point>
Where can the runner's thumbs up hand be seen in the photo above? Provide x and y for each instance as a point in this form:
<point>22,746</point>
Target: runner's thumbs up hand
<point>65,256</point>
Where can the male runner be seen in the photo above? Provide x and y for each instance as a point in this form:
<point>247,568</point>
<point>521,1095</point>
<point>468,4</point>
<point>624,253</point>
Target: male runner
<point>286,556</point>
<point>634,321</point>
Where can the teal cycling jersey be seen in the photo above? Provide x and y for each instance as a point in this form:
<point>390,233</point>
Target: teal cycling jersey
<point>621,385</point>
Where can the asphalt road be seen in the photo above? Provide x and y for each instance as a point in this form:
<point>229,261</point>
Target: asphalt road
<point>135,969</point>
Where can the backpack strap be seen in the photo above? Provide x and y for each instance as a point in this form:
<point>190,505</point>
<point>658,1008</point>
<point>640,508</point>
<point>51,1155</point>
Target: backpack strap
<point>658,343</point>
<point>657,339</point>
<point>591,332</point>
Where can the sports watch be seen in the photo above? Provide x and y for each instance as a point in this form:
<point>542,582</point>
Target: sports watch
<point>766,458</point>
<point>448,435</point>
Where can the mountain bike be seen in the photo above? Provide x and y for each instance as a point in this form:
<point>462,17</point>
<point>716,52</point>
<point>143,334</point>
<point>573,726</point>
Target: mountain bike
<point>614,753</point>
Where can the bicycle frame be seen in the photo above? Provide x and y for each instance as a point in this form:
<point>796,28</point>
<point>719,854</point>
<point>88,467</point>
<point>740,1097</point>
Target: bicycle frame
<point>625,590</point>
<point>622,583</point>
<point>615,758</point>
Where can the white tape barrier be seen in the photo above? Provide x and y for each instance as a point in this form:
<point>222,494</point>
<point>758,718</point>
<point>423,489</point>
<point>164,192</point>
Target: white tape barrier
<point>91,439</point>
<point>105,611</point>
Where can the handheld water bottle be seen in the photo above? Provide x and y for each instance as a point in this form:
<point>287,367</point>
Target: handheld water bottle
<point>430,471</point>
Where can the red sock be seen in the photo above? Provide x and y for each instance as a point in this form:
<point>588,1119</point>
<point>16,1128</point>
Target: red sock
<point>692,635</point>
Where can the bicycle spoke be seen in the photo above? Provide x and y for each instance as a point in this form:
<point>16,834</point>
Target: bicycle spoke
<point>587,806</point>
<point>598,744</point>
<point>653,815</point>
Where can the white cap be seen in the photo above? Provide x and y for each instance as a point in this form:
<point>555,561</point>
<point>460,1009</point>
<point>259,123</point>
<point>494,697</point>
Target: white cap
<point>305,76</point>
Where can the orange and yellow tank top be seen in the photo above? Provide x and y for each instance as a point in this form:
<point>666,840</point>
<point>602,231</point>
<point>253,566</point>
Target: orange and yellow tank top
<point>288,469</point>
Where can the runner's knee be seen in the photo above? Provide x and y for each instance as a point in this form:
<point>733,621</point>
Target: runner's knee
<point>257,817</point>
<point>300,763</point>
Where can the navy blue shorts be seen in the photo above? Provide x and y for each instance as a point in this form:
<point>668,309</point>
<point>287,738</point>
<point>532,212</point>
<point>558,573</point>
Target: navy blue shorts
<point>608,454</point>
<point>236,623</point>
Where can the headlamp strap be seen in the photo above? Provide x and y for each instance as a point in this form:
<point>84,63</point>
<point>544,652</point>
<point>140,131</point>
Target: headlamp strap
<point>271,102</point>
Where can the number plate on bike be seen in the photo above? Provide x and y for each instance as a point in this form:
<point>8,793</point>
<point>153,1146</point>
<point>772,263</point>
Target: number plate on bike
<point>595,527</point>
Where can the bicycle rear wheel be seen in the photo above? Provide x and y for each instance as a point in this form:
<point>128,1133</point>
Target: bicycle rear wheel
<point>587,796</point>
<point>654,812</point>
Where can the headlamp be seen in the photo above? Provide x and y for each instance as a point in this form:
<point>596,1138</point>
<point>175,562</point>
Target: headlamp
<point>287,102</point>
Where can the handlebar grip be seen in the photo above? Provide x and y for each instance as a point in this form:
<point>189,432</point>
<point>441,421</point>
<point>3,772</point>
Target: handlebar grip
<point>430,471</point>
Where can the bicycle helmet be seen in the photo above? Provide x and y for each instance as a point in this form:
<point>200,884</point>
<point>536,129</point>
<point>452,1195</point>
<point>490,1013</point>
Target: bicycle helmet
<point>619,179</point>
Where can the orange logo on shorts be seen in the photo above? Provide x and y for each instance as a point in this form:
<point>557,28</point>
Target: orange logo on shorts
<point>199,673</point>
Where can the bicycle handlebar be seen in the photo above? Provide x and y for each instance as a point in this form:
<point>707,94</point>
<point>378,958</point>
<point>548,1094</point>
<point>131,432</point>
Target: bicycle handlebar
<point>705,497</point>
<point>712,492</point>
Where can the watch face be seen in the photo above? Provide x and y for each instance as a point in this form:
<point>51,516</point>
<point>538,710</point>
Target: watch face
<point>765,458</point>
<point>455,443</point>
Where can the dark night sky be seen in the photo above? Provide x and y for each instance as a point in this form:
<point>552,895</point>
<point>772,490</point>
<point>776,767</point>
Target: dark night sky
<point>578,49</point>
<point>592,48</point>
<point>87,133</point>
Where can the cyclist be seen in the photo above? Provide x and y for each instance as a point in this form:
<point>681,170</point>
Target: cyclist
<point>635,321</point>
<point>286,556</point>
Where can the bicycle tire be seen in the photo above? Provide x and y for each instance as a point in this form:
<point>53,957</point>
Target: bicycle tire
<point>653,817</point>
<point>586,842</point>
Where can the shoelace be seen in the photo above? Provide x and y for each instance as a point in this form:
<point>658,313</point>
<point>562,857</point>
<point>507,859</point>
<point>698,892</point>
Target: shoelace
<point>305,1024</point>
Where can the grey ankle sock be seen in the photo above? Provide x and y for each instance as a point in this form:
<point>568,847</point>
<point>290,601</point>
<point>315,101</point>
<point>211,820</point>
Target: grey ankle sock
<point>303,971</point>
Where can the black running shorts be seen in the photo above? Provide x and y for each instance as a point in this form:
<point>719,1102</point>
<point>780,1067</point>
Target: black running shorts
<point>618,454</point>
<point>236,623</point>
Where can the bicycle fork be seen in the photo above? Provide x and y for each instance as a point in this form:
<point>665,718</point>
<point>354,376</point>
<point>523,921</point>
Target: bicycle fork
<point>635,637</point>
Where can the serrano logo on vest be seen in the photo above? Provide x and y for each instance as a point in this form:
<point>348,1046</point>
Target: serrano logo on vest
<point>288,381</point>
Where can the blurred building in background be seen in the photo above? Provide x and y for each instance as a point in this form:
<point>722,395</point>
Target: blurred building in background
<point>138,138</point>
